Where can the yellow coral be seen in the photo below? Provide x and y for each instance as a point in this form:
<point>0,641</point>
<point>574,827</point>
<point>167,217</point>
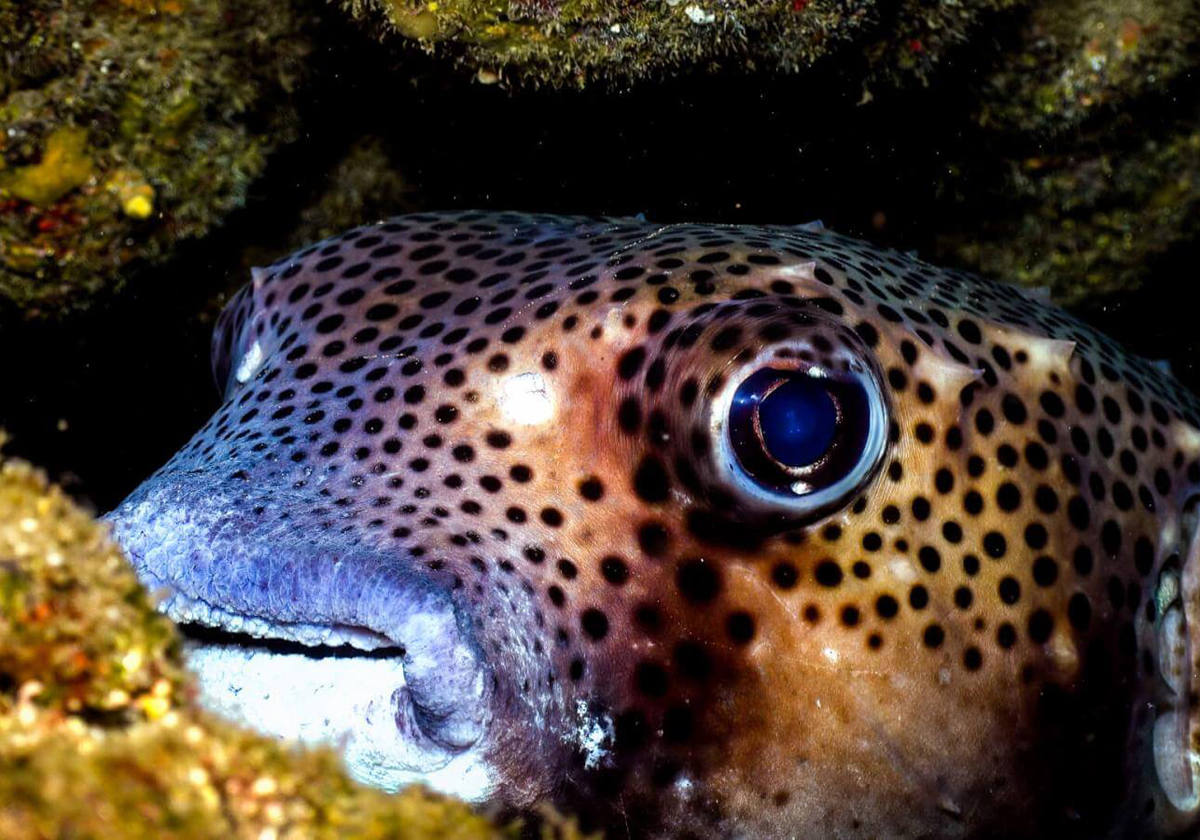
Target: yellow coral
<point>64,166</point>
<point>138,206</point>
<point>134,195</point>
<point>420,24</point>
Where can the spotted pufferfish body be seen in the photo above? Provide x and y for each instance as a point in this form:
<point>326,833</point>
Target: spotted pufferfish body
<point>521,451</point>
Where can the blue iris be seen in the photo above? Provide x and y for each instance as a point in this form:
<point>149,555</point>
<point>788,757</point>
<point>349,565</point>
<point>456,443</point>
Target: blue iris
<point>798,421</point>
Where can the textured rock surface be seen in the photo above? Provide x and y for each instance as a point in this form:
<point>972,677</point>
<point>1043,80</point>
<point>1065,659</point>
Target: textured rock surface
<point>1092,219</point>
<point>1088,170</point>
<point>99,736</point>
<point>563,42</point>
<point>129,125</point>
<point>1071,60</point>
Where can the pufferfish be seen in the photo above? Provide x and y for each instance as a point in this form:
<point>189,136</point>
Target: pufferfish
<point>697,531</point>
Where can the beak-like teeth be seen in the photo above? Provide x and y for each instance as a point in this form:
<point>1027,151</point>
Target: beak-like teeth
<point>184,610</point>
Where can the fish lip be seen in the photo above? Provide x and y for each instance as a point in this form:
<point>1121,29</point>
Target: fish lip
<point>184,609</point>
<point>410,754</point>
<point>449,688</point>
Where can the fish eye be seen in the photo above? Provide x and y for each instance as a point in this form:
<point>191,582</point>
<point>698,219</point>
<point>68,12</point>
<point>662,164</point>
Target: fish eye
<point>800,439</point>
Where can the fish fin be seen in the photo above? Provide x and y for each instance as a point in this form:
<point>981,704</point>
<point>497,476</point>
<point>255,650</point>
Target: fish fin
<point>1039,293</point>
<point>815,226</point>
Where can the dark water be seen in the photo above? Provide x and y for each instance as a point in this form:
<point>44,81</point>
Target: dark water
<point>104,399</point>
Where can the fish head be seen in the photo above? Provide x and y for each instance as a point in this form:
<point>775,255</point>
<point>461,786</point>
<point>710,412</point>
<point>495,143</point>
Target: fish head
<point>716,530</point>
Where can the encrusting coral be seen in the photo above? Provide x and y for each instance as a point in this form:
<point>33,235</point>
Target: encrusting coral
<point>127,126</point>
<point>577,42</point>
<point>99,734</point>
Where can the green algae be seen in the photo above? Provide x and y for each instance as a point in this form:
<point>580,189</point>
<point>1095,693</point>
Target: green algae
<point>1089,161</point>
<point>1056,60</point>
<point>74,621</point>
<point>176,109</point>
<point>64,166</point>
<point>128,126</point>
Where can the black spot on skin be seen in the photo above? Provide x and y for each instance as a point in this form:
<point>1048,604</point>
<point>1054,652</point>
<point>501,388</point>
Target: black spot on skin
<point>629,415</point>
<point>1041,624</point>
<point>969,330</point>
<point>591,489</point>
<point>739,626</point>
<point>828,573</point>
<point>650,679</point>
<point>886,606</point>
<point>692,661</point>
<point>994,544</point>
<point>1079,611</point>
<point>1045,571</point>
<point>784,575</point>
<point>653,538</point>
<point>1009,590</point>
<point>614,570</point>
<point>698,580</point>
<point>594,624</point>
<point>867,333</point>
<point>631,363</point>
<point>1052,404</point>
<point>650,481</point>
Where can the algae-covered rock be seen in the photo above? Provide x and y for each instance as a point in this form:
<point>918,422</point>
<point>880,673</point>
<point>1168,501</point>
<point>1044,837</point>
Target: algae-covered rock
<point>1091,220</point>
<point>99,736</point>
<point>564,42</point>
<point>129,125</point>
<point>1088,169</point>
<point>1073,59</point>
<point>78,635</point>
<point>1045,62</point>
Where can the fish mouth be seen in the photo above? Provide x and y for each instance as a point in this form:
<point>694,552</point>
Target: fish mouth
<point>205,623</point>
<point>296,640</point>
<point>327,685</point>
<point>203,636</point>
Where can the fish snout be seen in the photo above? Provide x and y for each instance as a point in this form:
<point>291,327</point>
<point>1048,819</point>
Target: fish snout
<point>272,611</point>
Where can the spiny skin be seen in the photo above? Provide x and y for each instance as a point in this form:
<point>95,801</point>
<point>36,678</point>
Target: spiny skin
<point>503,420</point>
